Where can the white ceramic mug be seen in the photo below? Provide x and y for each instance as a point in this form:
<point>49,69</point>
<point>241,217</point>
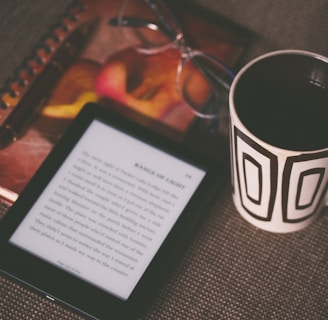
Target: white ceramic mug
<point>279,139</point>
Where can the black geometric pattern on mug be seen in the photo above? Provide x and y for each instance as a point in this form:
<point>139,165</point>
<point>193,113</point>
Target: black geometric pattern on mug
<point>257,172</point>
<point>305,180</point>
<point>232,175</point>
<point>250,163</point>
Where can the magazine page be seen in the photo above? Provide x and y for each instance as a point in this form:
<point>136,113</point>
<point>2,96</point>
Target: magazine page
<point>112,72</point>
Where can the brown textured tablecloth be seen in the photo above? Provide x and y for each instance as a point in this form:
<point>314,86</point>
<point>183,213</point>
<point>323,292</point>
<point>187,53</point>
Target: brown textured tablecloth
<point>230,269</point>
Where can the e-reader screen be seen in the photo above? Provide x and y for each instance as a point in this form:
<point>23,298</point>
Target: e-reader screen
<point>108,208</point>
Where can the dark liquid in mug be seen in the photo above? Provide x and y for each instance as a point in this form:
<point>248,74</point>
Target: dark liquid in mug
<point>290,112</point>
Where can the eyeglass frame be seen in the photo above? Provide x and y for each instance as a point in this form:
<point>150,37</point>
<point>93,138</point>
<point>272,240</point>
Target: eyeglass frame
<point>177,42</point>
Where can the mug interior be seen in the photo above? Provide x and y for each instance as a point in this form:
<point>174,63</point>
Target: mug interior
<point>283,100</point>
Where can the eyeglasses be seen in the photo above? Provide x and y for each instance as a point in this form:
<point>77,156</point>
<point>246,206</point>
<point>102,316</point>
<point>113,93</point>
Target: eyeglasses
<point>202,80</point>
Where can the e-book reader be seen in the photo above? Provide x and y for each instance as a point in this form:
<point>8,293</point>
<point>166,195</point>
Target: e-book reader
<point>101,220</point>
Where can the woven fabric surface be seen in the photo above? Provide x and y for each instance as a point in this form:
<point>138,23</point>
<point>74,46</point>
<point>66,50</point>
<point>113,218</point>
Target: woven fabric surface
<point>234,271</point>
<point>229,269</point>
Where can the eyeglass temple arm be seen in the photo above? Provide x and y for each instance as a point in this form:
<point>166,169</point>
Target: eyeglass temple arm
<point>210,75</point>
<point>140,23</point>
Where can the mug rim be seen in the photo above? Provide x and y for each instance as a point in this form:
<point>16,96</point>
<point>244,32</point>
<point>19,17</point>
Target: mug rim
<point>241,72</point>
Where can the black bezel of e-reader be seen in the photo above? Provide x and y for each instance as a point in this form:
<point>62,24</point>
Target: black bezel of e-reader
<point>63,287</point>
